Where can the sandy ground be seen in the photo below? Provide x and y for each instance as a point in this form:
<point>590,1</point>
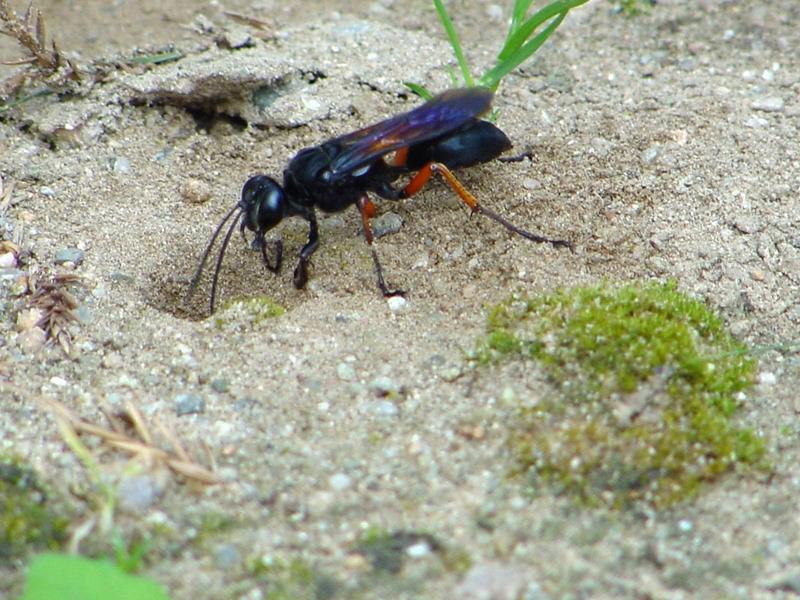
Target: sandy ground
<point>664,146</point>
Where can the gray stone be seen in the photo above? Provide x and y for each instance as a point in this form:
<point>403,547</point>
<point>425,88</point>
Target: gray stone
<point>138,493</point>
<point>768,104</point>
<point>69,255</point>
<point>187,404</point>
<point>227,556</point>
<point>387,224</point>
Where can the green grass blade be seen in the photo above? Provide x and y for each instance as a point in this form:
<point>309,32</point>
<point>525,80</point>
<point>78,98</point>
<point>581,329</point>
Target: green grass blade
<point>419,90</point>
<point>523,32</point>
<point>156,59</point>
<point>454,42</point>
<point>491,78</point>
<point>518,15</point>
<point>19,101</point>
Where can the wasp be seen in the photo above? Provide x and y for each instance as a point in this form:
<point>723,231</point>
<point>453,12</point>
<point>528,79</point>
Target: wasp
<point>444,134</point>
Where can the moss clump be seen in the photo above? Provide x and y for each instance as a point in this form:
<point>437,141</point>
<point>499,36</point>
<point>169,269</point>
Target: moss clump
<point>249,313</point>
<point>647,383</point>
<point>386,551</point>
<point>210,525</point>
<point>294,580</point>
<point>632,8</point>
<point>26,521</point>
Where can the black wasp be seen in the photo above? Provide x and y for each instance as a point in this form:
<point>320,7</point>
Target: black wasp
<point>443,134</point>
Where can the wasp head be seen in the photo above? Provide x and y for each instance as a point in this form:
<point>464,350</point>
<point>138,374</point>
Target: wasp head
<point>263,203</point>
<point>261,207</point>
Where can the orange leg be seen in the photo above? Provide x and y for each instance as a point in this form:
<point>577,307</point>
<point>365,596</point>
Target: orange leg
<point>367,210</point>
<point>425,173</point>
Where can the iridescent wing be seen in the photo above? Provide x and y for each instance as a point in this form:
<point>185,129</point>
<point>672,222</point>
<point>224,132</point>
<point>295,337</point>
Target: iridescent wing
<point>440,115</point>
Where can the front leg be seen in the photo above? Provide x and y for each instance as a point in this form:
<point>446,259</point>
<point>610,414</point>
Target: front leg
<point>261,244</point>
<point>300,277</point>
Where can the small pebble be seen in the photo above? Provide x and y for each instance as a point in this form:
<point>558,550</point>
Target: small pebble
<point>346,372</point>
<point>84,315</point>
<point>246,403</point>
<point>120,164</point>
<point>69,255</point>
<point>421,262</point>
<point>418,550</point>
<point>495,12</point>
<point>121,277</point>
<point>767,378</point>
<point>112,360</point>
<point>236,38</point>
<point>508,395</point>
<point>99,290</point>
<point>8,260</point>
<point>162,155</point>
<point>220,385</point>
<point>32,340</point>
<point>754,122</point>
<point>396,303</point>
<point>196,191</point>
<point>226,556</point>
<point>312,104</point>
<point>355,562</point>
<point>340,481</point>
<point>202,24</point>
<point>679,136</point>
<point>450,374</point>
<point>28,318</point>
<point>138,493</point>
<point>531,184</point>
<point>46,190</point>
<point>387,224</point>
<point>747,224</point>
<point>187,404</point>
<point>385,408</point>
<point>494,580</point>
<point>601,147</point>
<point>650,154</point>
<point>768,104</point>
<point>471,432</point>
<point>383,386</point>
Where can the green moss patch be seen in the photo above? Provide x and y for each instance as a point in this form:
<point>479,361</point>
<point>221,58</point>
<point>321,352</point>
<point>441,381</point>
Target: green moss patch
<point>647,382</point>
<point>294,580</point>
<point>26,520</point>
<point>248,313</point>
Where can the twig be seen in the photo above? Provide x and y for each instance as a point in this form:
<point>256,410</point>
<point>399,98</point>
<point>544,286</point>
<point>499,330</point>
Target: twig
<point>178,460</point>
